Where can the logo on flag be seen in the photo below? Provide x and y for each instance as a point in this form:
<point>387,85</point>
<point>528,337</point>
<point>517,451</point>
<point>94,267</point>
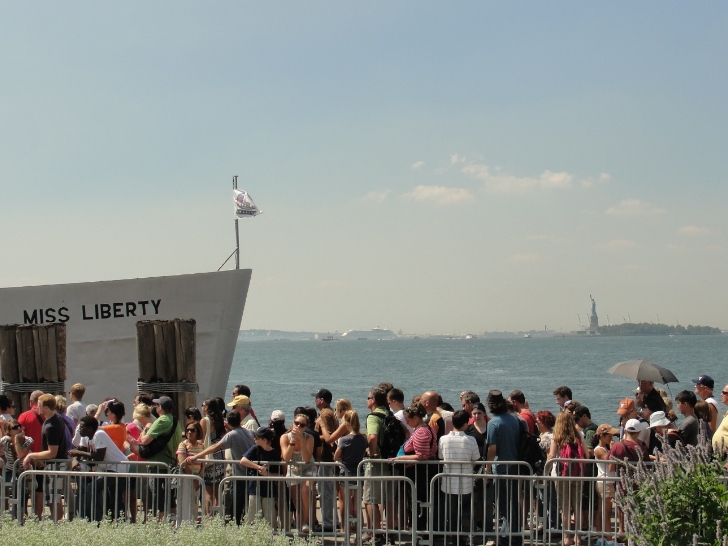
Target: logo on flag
<point>244,206</point>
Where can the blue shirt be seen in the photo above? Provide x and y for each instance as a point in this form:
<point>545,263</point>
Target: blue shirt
<point>505,432</point>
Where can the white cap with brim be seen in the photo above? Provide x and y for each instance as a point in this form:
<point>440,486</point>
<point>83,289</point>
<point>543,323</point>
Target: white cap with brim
<point>635,425</point>
<point>658,419</point>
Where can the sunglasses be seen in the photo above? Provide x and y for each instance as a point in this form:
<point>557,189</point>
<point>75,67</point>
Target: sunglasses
<point>16,427</point>
<point>300,425</point>
<point>190,430</point>
<point>724,393</point>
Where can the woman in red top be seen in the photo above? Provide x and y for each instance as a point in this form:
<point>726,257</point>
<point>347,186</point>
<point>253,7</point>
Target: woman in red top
<point>421,447</point>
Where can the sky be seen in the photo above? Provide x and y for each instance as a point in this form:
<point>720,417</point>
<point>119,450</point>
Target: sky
<point>430,167</point>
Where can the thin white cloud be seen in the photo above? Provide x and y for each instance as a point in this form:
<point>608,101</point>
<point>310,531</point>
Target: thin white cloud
<point>619,244</point>
<point>590,181</point>
<point>455,159</point>
<point>417,165</point>
<point>633,207</point>
<point>439,194</point>
<point>506,183</point>
<point>694,230</point>
<point>523,258</point>
<point>378,196</point>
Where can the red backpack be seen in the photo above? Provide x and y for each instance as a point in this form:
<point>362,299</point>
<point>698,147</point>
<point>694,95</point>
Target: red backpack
<point>571,451</point>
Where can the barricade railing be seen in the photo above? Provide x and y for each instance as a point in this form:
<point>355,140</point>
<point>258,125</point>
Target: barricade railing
<point>280,501</point>
<point>18,497</point>
<point>393,501</point>
<point>96,495</point>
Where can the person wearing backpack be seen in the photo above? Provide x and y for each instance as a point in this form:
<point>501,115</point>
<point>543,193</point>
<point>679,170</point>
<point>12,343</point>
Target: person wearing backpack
<point>378,496</point>
<point>567,443</point>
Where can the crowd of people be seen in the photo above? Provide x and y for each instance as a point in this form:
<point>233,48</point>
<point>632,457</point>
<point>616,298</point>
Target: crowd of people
<point>226,438</point>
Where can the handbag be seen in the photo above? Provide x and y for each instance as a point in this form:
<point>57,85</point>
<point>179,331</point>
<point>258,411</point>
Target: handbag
<point>159,443</point>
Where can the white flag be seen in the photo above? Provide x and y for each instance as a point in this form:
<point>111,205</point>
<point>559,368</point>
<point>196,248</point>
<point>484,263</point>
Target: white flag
<point>244,206</point>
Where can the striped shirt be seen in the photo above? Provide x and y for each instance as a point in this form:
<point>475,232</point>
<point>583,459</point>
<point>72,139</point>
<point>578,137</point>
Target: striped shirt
<point>457,446</point>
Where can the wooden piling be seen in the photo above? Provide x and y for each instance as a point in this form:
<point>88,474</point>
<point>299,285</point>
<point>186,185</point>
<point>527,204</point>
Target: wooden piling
<point>33,353</point>
<point>9,362</point>
<point>166,354</point>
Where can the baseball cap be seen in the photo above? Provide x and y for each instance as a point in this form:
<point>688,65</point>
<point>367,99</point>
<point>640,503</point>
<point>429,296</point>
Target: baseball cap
<point>635,425</point>
<point>165,402</point>
<point>264,432</point>
<point>324,394</point>
<point>606,428</point>
<point>277,415</point>
<point>240,400</point>
<point>705,380</point>
<point>626,406</point>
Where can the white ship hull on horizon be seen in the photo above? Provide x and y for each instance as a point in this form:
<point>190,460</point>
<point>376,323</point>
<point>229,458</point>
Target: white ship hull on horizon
<point>374,333</point>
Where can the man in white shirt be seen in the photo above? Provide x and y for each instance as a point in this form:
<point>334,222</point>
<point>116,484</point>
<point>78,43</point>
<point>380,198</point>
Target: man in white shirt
<point>395,399</point>
<point>104,493</point>
<point>241,404</point>
<point>77,408</point>
<point>704,389</point>
<point>457,446</point>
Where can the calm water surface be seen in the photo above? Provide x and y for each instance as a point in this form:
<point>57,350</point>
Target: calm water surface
<point>283,374</point>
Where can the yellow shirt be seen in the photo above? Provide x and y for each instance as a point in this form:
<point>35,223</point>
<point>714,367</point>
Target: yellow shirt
<point>720,437</point>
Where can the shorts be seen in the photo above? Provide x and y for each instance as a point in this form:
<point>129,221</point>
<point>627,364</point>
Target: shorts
<point>605,489</point>
<point>379,491</point>
<point>54,485</point>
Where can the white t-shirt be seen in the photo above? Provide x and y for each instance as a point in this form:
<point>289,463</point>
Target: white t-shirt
<point>76,410</point>
<point>113,454</point>
<point>400,415</point>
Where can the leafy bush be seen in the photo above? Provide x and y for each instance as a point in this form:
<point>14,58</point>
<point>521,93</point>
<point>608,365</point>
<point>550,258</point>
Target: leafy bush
<point>679,501</point>
<point>213,533</point>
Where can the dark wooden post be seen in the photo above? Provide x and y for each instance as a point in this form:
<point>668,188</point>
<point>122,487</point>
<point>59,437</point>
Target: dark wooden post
<point>33,354</point>
<point>166,353</point>
<point>9,363</point>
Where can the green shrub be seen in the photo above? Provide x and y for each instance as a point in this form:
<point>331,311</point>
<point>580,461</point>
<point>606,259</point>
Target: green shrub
<point>680,501</point>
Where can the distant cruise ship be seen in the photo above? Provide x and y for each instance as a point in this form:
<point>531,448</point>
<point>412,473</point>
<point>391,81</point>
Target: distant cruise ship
<point>374,333</point>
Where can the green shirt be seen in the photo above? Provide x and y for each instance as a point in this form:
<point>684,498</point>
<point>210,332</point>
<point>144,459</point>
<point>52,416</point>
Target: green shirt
<point>160,427</point>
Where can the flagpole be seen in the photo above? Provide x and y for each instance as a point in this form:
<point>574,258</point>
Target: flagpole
<point>237,232</point>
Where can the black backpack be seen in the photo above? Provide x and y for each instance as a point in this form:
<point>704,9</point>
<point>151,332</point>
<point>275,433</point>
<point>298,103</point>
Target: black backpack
<point>529,450</point>
<point>392,434</point>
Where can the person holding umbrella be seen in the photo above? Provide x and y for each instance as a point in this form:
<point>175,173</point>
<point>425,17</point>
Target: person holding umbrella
<point>648,396</point>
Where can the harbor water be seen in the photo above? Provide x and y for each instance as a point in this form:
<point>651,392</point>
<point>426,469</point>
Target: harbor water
<point>283,374</point>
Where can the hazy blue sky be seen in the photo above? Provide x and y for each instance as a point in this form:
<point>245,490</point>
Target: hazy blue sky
<point>425,166</point>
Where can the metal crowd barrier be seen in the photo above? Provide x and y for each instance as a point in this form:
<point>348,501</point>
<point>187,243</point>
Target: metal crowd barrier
<point>66,497</point>
<point>401,502</point>
<point>280,501</point>
<point>97,495</point>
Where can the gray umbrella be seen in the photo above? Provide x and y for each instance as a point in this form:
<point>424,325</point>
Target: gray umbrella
<point>643,370</point>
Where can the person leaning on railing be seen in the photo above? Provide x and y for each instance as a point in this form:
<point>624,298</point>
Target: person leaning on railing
<point>105,493</point>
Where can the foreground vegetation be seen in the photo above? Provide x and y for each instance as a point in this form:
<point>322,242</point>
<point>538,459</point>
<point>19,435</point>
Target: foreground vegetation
<point>681,501</point>
<point>213,533</point>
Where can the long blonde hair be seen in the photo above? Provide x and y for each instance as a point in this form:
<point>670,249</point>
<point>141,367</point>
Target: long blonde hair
<point>343,404</point>
<point>565,429</point>
<point>351,418</point>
